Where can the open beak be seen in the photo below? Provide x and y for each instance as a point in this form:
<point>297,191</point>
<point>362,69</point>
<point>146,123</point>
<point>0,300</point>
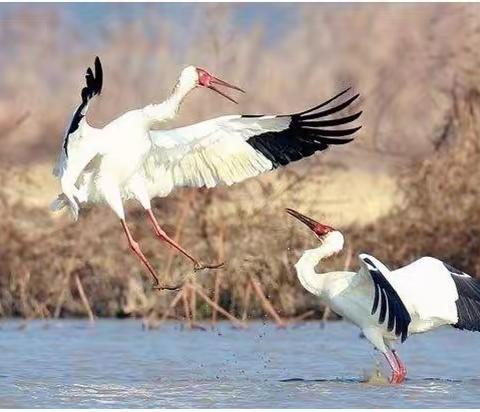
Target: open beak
<point>219,82</point>
<point>313,225</point>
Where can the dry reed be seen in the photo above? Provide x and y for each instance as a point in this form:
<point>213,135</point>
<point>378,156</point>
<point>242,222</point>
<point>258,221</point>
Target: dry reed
<point>410,113</point>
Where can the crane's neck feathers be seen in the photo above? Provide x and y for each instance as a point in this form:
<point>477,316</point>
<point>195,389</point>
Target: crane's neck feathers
<point>167,110</point>
<point>305,267</point>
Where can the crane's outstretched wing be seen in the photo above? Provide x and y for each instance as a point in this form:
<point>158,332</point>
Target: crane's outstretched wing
<point>229,149</point>
<point>78,126</point>
<point>386,298</point>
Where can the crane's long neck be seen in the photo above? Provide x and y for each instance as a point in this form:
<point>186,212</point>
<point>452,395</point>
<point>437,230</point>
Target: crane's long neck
<point>157,113</point>
<point>312,281</point>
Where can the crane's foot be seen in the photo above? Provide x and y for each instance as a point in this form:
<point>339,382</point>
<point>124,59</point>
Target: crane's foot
<point>402,376</point>
<point>402,367</point>
<point>397,377</point>
<point>394,378</point>
<point>398,368</point>
<point>200,266</point>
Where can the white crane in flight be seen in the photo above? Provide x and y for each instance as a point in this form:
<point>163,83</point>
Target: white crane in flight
<point>127,159</point>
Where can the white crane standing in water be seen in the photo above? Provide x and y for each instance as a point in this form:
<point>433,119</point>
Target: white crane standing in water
<point>390,305</point>
<point>126,159</point>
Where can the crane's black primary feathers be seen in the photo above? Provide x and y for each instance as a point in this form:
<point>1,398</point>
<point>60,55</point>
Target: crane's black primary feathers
<point>93,88</point>
<point>307,133</point>
<point>468,303</point>
<point>387,298</point>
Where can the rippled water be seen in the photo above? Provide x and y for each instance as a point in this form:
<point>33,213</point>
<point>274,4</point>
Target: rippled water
<point>117,364</point>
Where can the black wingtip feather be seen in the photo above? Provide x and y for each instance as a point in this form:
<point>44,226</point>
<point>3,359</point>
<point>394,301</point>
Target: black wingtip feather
<point>375,299</point>
<point>93,87</point>
<point>305,134</point>
<point>332,110</point>
<point>316,139</point>
<point>387,298</point>
<point>383,306</point>
<point>333,122</point>
<point>468,302</point>
<point>333,133</point>
<point>324,103</point>
<point>98,75</point>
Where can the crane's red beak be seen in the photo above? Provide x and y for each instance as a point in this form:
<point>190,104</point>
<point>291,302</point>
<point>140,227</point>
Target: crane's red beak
<point>205,79</point>
<point>318,228</point>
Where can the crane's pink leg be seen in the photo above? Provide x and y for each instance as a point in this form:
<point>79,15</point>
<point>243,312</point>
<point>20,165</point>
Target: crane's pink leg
<point>401,365</point>
<point>396,372</point>
<point>134,246</point>
<point>160,233</point>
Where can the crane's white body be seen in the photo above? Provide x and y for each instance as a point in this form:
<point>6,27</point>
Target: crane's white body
<point>128,159</point>
<point>107,165</point>
<point>425,286</point>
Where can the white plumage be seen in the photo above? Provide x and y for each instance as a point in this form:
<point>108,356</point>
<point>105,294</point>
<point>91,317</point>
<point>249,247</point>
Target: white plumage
<point>128,159</point>
<point>209,153</point>
<point>390,305</point>
<point>413,283</point>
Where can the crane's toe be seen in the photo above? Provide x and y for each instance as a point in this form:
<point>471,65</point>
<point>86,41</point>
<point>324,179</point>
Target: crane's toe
<point>397,377</point>
<point>200,266</point>
<point>166,287</point>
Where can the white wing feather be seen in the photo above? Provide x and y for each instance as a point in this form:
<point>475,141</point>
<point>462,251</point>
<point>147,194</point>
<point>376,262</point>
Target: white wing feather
<point>413,284</point>
<point>208,153</point>
<point>229,149</point>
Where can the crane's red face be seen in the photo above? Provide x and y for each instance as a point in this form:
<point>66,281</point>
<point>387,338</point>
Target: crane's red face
<point>318,228</point>
<point>209,81</point>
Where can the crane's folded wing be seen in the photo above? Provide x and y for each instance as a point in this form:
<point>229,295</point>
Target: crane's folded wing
<point>386,300</point>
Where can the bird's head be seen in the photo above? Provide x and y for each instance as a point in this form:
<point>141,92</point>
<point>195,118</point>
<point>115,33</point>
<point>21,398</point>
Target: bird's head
<point>198,77</point>
<point>322,232</point>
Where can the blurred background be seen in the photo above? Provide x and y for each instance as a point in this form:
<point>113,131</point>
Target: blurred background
<point>408,186</point>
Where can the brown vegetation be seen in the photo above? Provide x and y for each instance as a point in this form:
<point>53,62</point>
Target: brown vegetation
<point>441,216</point>
<point>405,59</point>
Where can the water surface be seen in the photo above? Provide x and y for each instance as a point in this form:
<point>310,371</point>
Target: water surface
<point>58,364</point>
